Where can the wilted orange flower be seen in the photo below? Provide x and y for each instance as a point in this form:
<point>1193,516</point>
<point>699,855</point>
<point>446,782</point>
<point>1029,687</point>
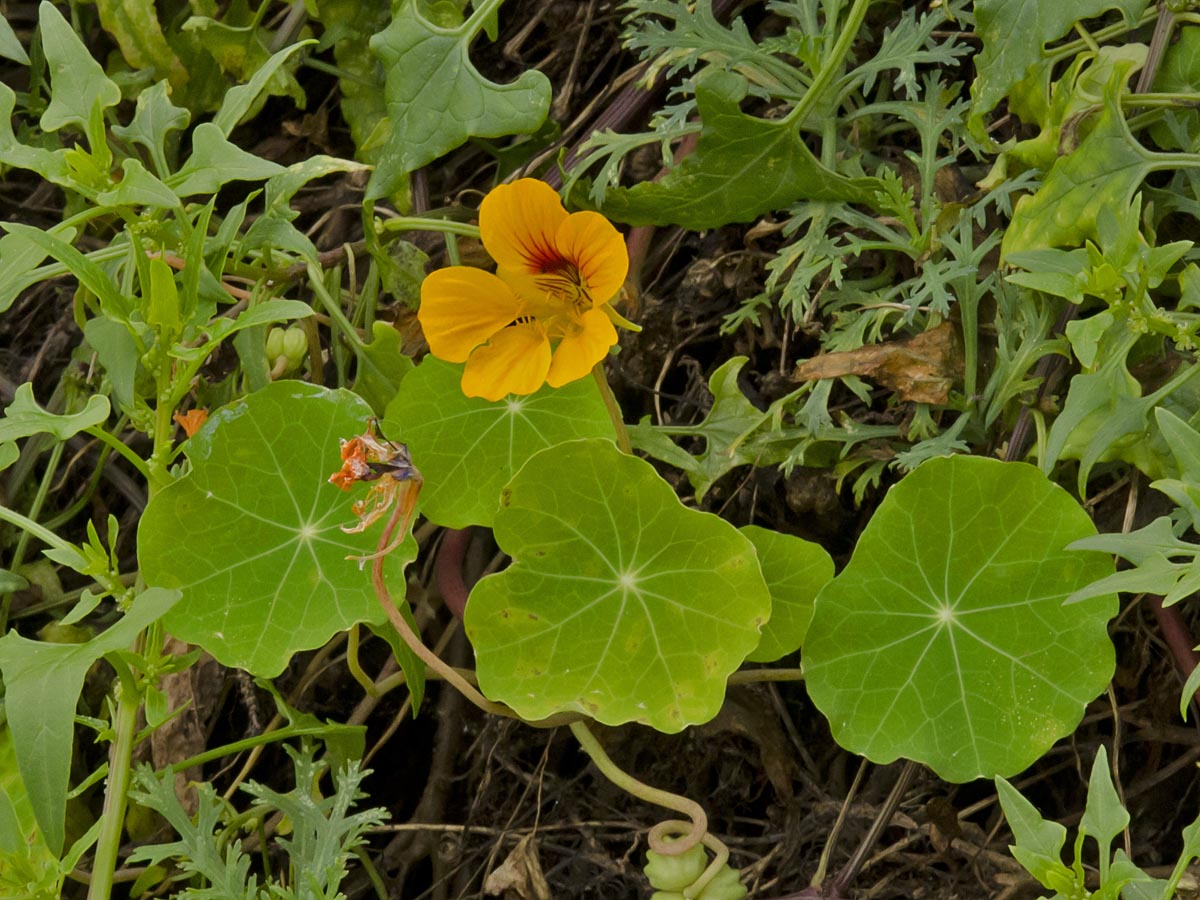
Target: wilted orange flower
<point>544,317</point>
<point>191,420</point>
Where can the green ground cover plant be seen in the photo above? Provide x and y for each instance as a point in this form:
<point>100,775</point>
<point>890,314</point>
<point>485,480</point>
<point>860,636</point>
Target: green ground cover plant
<point>825,360</point>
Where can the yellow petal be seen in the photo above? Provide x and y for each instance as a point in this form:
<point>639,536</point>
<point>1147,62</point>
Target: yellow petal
<point>461,308</point>
<point>514,361</point>
<point>583,348</point>
<point>518,223</point>
<point>596,248</point>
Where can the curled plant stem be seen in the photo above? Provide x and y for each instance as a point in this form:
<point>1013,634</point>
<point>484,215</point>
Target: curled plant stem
<point>614,409</point>
<point>693,832</point>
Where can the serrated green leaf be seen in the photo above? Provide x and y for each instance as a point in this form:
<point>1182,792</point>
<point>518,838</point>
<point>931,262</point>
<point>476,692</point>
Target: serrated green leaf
<point>154,118</point>
<point>620,602</point>
<point>24,417</point>
<point>742,167</point>
<point>795,571</point>
<point>436,98</point>
<point>945,639</point>
<point>42,684</point>
<point>215,162</point>
<point>252,535</point>
<point>1189,691</point>
<point>468,448</point>
<point>78,83</point>
<point>1014,35</point>
<point>1103,173</point>
<point>1064,114</point>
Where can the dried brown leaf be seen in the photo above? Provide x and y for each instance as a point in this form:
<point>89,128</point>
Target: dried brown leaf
<point>920,369</point>
<point>520,876</point>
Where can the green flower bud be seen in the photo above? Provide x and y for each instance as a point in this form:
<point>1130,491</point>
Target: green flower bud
<point>725,886</point>
<point>295,345</point>
<point>674,873</point>
<point>274,344</point>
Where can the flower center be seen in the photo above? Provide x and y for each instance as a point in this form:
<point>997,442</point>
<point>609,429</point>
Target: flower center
<point>562,282</point>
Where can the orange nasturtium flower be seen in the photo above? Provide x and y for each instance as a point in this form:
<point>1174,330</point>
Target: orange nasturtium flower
<point>544,317</point>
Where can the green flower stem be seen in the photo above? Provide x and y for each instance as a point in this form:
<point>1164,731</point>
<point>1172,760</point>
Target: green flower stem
<point>129,701</point>
<point>267,737</point>
<point>626,782</point>
<point>114,442</point>
<point>398,524</point>
<point>421,223</point>
<point>334,309</point>
<point>129,691</point>
<point>38,531</point>
<point>354,666</point>
<point>35,508</point>
<point>614,410</point>
<point>833,63</point>
<point>1100,35</point>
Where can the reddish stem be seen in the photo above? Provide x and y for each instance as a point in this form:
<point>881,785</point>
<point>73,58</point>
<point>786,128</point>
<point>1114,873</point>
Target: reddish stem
<point>1179,639</point>
<point>448,569</point>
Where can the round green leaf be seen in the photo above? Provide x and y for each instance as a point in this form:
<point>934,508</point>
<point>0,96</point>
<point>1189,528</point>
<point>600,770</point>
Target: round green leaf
<point>620,602</point>
<point>795,571</point>
<point>252,534</point>
<point>946,640</point>
<point>468,448</point>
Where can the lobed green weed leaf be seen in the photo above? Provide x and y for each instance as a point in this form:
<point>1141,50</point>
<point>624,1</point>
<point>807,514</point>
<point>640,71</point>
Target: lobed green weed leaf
<point>42,684</point>
<point>155,117</point>
<point>743,166</point>
<point>1104,816</point>
<point>252,534</point>
<point>1039,843</point>
<point>945,639</point>
<point>24,417</point>
<point>436,98</point>
<point>731,431</point>
<point>1103,173</point>
<point>620,602</point>
<point>50,164</point>
<point>215,162</point>
<point>1014,35</point>
<point>78,83</point>
<point>468,448</point>
<point>10,44</point>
